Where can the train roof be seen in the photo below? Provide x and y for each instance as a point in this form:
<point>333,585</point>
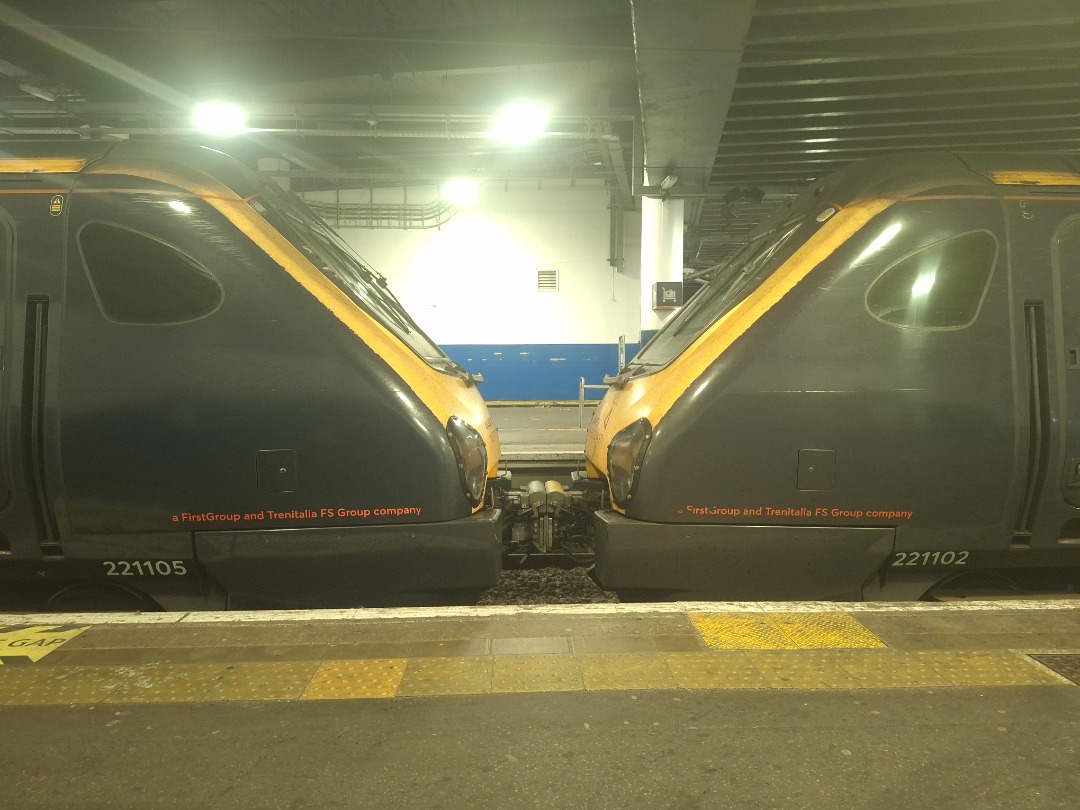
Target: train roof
<point>184,161</point>
<point>903,175</point>
<point>54,149</point>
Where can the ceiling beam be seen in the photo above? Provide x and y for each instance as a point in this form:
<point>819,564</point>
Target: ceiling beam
<point>687,54</point>
<point>300,113</point>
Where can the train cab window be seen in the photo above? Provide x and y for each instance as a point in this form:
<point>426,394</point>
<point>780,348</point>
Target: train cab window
<point>938,286</point>
<point>140,280</point>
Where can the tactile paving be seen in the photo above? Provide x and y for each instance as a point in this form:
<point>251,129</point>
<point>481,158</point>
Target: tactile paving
<point>783,631</point>
<point>821,649</point>
<point>345,680</point>
<point>75,685</point>
<point>825,631</point>
<point>446,676</point>
<point>986,668</point>
<point>536,673</point>
<point>601,671</point>
<point>170,683</point>
<point>738,631</point>
<point>802,670</point>
<point>16,680</point>
<point>265,681</point>
<point>714,670</point>
<point>886,669</point>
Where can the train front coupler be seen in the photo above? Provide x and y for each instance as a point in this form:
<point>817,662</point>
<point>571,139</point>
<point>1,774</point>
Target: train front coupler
<point>546,522</point>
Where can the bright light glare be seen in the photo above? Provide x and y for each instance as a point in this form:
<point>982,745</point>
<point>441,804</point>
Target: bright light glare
<point>182,207</point>
<point>520,123</point>
<point>219,118</point>
<point>460,192</point>
<point>923,284</point>
<point>882,240</point>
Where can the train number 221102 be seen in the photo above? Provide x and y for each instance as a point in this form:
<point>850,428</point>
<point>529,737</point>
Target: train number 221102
<point>144,568</point>
<point>907,558</point>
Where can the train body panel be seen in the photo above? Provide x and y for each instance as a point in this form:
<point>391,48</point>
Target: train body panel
<point>897,352</point>
<point>190,356</point>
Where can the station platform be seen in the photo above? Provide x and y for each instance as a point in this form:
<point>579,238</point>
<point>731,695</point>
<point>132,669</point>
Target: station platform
<point>814,705</point>
<point>536,434</point>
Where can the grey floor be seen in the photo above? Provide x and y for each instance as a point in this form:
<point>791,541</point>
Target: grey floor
<point>948,748</point>
<point>1005,747</point>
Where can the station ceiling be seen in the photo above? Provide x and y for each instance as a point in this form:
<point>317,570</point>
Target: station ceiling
<point>744,101</point>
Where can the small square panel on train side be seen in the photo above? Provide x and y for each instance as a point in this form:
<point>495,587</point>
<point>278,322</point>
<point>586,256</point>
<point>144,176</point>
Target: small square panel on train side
<point>817,470</point>
<point>276,470</point>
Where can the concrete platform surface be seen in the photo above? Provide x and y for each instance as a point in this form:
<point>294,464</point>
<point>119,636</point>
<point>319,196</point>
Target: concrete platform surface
<point>542,432</point>
<point>602,706</point>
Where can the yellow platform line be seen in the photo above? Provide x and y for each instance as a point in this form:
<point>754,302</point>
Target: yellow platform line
<point>479,675</point>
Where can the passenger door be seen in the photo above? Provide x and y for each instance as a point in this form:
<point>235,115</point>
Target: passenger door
<point>1065,256</point>
<point>7,251</point>
<point>29,283</point>
<point>1045,262</point>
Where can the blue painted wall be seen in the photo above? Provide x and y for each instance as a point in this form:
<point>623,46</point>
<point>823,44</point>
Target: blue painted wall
<point>539,371</point>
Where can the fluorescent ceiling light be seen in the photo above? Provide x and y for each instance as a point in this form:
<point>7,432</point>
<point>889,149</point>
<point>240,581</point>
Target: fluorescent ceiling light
<point>460,192</point>
<point>520,123</point>
<point>39,92</point>
<point>219,118</point>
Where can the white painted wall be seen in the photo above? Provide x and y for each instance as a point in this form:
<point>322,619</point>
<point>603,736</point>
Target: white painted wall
<point>661,253</point>
<point>474,279</point>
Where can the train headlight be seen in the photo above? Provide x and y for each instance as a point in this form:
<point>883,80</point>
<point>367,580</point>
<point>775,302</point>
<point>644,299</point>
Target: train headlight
<point>471,457</point>
<point>624,456</point>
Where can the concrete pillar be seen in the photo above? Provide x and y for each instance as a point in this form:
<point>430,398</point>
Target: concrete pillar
<point>661,255</point>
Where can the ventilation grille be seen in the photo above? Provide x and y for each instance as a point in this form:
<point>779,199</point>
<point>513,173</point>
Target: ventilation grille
<point>547,279</point>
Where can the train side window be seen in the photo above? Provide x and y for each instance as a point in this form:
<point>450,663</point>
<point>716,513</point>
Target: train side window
<point>938,286</point>
<point>141,280</point>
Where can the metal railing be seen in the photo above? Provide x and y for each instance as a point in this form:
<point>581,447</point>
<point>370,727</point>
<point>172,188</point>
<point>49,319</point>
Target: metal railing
<point>582,386</point>
<point>404,216</point>
<point>581,399</point>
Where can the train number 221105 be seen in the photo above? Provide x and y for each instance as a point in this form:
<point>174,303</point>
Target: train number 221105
<point>907,558</point>
<point>144,568</point>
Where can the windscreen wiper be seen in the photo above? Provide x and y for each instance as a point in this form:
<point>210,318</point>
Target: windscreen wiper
<point>449,365</point>
<point>633,369</point>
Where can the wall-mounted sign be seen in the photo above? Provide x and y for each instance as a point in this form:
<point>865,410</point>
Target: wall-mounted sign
<point>667,294</point>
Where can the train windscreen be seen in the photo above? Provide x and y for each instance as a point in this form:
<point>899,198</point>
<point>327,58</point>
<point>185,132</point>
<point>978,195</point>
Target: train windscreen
<point>729,284</point>
<point>336,260</point>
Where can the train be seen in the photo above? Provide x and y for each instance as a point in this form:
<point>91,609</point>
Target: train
<point>877,397</point>
<point>209,401</point>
